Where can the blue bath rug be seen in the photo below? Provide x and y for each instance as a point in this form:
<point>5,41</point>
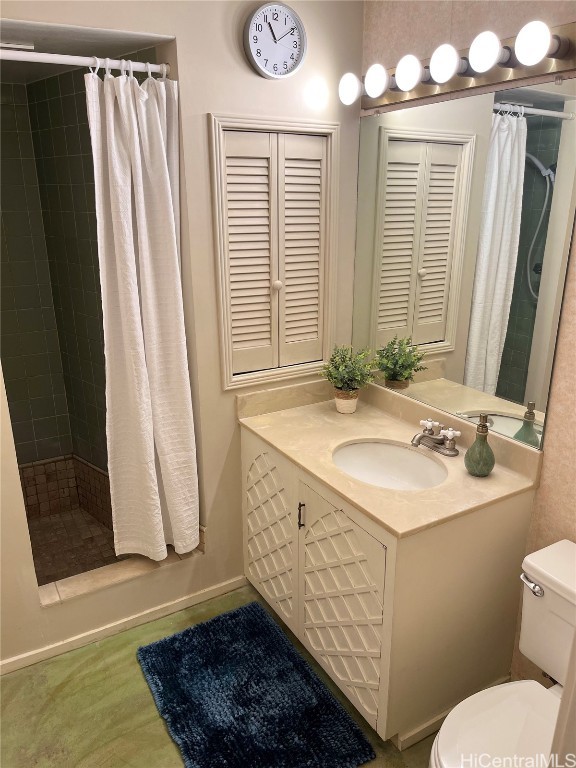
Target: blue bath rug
<point>235,694</point>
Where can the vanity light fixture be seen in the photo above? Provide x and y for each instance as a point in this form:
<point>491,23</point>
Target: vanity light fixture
<point>349,88</point>
<point>487,51</point>
<point>409,72</point>
<point>376,81</point>
<point>535,42</point>
<point>445,63</point>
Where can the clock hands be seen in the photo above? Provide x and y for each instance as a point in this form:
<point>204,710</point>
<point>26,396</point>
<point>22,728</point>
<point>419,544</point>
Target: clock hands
<point>284,35</point>
<point>272,30</point>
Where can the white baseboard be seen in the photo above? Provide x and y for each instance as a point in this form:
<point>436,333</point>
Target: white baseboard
<point>48,651</point>
<point>404,740</point>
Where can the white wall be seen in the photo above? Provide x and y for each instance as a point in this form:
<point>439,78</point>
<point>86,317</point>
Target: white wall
<point>214,77</point>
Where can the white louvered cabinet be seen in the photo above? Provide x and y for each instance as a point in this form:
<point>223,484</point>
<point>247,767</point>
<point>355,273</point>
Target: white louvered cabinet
<point>274,268</point>
<point>419,202</point>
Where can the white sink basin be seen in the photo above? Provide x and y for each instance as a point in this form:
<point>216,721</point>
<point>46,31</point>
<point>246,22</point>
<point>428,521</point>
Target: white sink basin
<point>389,465</point>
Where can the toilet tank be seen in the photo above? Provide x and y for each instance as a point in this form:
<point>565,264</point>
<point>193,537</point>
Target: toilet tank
<point>549,607</point>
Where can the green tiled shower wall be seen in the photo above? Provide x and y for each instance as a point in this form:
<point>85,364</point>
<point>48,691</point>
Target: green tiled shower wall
<point>52,338</point>
<point>30,345</point>
<point>61,139</point>
<point>543,141</point>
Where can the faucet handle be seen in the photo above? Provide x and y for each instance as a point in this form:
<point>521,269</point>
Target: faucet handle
<point>429,425</point>
<point>450,433</point>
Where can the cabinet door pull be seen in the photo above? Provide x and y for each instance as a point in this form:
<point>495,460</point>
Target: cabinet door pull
<point>301,506</point>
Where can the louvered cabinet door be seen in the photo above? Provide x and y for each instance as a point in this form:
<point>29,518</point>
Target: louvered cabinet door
<point>251,249</point>
<point>341,598</point>
<point>400,187</point>
<point>301,231</point>
<point>436,242</point>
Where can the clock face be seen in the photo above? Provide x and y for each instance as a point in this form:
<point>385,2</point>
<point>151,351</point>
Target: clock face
<point>275,41</point>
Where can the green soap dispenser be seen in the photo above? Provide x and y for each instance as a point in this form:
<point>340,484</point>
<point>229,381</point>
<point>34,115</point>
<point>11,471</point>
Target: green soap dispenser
<point>479,458</point>
<point>527,434</point>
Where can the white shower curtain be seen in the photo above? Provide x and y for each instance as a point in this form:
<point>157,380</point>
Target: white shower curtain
<point>497,252</point>
<point>149,424</point>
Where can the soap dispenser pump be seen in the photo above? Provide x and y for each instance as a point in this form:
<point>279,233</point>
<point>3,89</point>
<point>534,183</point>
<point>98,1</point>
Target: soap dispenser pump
<point>527,434</point>
<point>479,458</point>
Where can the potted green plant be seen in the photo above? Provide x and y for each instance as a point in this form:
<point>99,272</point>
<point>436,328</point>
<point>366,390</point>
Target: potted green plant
<point>399,360</point>
<point>348,371</point>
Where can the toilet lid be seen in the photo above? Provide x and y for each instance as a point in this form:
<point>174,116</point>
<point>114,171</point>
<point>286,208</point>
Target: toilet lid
<point>511,720</point>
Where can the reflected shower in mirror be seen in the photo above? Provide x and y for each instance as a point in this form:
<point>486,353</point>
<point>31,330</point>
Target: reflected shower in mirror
<point>465,216</point>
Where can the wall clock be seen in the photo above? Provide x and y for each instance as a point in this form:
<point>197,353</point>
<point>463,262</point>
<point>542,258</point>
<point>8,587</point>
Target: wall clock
<point>275,41</point>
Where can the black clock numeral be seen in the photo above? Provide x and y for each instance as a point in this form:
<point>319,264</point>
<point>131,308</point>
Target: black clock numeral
<point>285,65</point>
<point>265,18</point>
<point>254,38</point>
<point>275,16</point>
<point>295,44</point>
<point>258,52</point>
<point>258,27</point>
<point>292,56</point>
<point>275,67</point>
<point>265,62</point>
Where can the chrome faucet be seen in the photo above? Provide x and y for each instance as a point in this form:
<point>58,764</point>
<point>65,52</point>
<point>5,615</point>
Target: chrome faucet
<point>444,442</point>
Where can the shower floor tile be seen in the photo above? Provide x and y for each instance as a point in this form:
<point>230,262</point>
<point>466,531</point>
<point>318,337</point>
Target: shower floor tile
<point>67,543</point>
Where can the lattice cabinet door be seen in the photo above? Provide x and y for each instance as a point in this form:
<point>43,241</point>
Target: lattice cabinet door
<point>270,526</point>
<point>341,587</point>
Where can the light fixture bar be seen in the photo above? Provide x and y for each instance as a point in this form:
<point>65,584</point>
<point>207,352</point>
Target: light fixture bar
<point>559,62</point>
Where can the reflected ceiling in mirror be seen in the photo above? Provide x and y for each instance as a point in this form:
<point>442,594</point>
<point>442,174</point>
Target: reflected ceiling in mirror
<point>465,217</point>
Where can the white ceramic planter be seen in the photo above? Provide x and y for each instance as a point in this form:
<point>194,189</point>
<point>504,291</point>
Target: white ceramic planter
<point>346,402</point>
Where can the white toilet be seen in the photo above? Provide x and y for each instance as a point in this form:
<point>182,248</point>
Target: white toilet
<point>517,720</point>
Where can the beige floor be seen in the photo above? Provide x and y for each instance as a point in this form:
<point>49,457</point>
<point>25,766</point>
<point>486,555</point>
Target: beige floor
<point>92,708</point>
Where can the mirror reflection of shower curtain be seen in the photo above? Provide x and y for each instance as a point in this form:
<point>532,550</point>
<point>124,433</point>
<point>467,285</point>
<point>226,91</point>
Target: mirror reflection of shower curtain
<point>149,424</point>
<point>497,252</point>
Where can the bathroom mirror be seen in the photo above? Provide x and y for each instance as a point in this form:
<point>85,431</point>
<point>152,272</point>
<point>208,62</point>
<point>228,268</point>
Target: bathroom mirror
<point>464,247</point>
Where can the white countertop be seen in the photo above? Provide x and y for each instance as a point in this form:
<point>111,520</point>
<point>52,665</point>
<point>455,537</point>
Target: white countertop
<point>307,435</point>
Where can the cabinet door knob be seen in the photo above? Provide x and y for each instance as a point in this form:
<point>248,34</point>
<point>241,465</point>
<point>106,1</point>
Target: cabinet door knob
<point>422,272</point>
<point>277,284</point>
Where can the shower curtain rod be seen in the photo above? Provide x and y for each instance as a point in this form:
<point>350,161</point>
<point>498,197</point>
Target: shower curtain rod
<point>502,106</point>
<point>78,61</point>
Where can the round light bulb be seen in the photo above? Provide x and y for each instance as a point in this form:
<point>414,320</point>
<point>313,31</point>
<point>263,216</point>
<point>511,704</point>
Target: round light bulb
<point>408,72</point>
<point>484,52</point>
<point>532,43</point>
<point>349,88</point>
<point>375,81</point>
<point>444,63</point>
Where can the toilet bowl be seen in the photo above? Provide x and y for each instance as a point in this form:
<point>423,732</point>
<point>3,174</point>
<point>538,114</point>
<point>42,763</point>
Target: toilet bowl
<point>513,724</point>
<point>514,720</point>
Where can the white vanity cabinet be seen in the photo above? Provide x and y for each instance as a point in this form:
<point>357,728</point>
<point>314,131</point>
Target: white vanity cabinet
<point>270,526</point>
<point>341,571</point>
<point>318,568</point>
<point>406,624</point>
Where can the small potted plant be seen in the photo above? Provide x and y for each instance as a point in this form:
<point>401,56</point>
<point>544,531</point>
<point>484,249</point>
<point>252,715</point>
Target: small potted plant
<point>348,371</point>
<point>399,360</point>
